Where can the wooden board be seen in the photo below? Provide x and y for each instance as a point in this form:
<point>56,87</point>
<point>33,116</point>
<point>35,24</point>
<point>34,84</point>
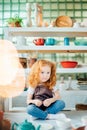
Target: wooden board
<point>64,21</point>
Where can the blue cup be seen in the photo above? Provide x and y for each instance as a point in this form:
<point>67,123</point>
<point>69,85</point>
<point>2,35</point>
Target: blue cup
<point>66,41</point>
<point>50,41</point>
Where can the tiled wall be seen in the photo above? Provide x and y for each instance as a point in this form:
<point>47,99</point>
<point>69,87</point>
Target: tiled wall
<point>77,9</point>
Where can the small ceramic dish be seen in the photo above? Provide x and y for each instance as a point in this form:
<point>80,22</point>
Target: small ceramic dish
<point>64,124</point>
<point>46,126</point>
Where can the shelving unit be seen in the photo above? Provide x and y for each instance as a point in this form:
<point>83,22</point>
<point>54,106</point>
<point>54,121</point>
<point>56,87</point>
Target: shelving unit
<point>51,32</point>
<point>47,32</point>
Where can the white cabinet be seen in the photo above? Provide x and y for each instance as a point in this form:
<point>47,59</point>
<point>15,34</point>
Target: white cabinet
<point>52,32</point>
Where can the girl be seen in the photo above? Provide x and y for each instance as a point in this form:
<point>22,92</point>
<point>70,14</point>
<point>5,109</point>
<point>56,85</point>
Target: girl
<point>43,100</point>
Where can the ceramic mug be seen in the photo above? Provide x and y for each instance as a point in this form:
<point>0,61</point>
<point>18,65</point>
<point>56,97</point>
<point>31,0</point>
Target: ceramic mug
<point>66,41</point>
<point>50,41</point>
<point>21,40</point>
<point>39,41</point>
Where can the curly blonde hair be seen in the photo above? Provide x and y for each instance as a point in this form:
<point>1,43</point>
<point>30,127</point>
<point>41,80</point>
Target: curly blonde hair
<point>33,78</point>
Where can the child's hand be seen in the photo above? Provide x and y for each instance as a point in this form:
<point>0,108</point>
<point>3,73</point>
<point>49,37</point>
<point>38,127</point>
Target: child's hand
<point>47,102</point>
<point>38,102</point>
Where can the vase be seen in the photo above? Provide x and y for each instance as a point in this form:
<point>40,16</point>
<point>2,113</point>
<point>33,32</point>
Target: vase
<point>28,10</point>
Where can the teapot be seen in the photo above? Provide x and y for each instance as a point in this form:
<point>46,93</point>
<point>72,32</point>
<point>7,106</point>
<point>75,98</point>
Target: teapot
<point>25,126</point>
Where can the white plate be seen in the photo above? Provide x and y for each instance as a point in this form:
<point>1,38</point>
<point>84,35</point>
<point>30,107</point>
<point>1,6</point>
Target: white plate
<point>46,126</point>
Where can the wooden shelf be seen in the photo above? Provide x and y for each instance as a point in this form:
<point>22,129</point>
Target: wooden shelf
<point>52,49</point>
<point>46,31</point>
<point>72,70</point>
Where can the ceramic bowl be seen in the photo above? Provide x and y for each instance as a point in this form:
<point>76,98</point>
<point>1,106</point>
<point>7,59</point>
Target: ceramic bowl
<point>68,64</point>
<point>80,42</point>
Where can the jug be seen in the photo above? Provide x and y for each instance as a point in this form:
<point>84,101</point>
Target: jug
<point>25,126</point>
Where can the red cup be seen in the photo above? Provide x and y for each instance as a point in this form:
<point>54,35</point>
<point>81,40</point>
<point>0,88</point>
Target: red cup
<point>39,41</point>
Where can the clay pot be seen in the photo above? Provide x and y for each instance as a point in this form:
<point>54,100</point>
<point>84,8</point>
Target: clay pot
<point>80,128</point>
<point>1,115</point>
<point>23,62</point>
<point>14,24</point>
<point>6,125</point>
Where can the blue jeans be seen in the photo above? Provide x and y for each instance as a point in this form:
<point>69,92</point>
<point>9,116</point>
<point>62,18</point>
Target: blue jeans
<point>52,109</point>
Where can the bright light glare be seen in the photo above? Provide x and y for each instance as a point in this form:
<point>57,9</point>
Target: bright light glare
<point>12,78</point>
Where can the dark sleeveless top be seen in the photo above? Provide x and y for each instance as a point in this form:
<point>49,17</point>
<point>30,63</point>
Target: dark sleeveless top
<point>42,93</point>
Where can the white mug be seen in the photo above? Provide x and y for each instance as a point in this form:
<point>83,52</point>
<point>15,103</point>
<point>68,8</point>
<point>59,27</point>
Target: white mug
<point>21,40</point>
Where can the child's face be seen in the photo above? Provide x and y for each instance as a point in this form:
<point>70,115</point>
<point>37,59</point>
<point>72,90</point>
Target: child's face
<point>45,73</point>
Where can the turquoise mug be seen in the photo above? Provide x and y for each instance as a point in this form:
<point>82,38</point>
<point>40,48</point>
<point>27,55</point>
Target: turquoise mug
<point>66,41</point>
<point>50,41</point>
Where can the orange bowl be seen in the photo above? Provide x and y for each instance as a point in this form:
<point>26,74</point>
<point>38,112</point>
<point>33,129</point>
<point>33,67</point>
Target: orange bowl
<point>68,64</point>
